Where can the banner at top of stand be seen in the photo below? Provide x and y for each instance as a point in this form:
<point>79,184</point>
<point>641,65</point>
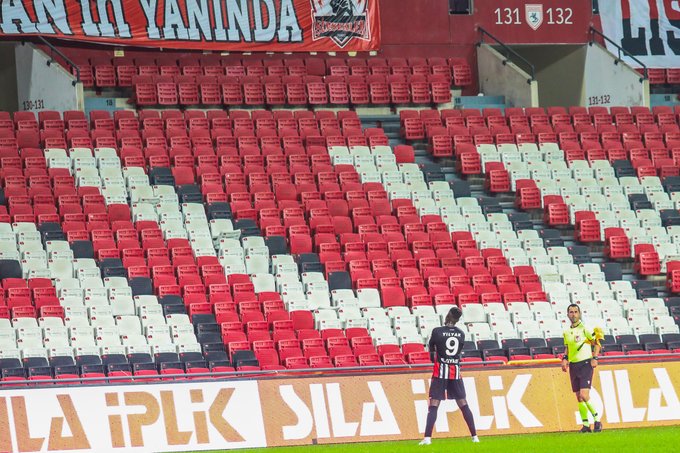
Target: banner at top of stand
<point>221,25</point>
<point>647,29</point>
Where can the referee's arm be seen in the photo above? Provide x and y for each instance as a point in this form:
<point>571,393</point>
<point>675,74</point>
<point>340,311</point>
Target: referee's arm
<point>596,347</point>
<point>596,353</point>
<point>565,360</point>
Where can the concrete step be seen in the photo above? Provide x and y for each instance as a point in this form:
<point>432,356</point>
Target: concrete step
<point>664,99</point>
<point>478,101</point>
<point>103,102</point>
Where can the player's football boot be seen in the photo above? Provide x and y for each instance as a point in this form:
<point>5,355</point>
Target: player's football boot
<point>586,429</point>
<point>598,427</point>
<point>426,441</point>
<point>475,439</point>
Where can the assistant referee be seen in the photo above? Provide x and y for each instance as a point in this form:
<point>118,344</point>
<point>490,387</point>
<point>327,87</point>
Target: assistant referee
<point>581,358</point>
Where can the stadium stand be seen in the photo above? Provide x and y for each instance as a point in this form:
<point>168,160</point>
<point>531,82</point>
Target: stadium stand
<point>158,242</point>
<point>241,215</point>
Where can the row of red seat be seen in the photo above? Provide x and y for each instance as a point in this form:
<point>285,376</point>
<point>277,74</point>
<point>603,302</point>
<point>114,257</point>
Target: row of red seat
<point>444,142</point>
<point>200,123</point>
<point>573,110</point>
<point>166,114</point>
<point>272,139</point>
<point>217,123</point>
<point>215,119</point>
<point>660,76</point>
<point>419,125</point>
<point>312,90</point>
<point>23,129</point>
<point>239,127</point>
<point>102,72</point>
<point>416,129</point>
<point>257,125</point>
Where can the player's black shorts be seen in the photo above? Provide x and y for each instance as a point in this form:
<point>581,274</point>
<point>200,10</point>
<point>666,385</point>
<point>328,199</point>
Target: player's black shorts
<point>452,389</point>
<point>581,375</point>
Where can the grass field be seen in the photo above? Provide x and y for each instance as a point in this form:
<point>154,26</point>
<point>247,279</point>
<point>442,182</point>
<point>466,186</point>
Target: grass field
<point>662,439</point>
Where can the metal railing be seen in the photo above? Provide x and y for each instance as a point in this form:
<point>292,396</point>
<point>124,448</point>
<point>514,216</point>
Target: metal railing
<point>235,374</point>
<point>309,372</point>
<point>67,60</point>
<point>595,32</point>
<point>508,51</point>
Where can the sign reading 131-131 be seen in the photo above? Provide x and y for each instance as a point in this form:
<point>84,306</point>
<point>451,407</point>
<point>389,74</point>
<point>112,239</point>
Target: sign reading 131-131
<point>536,21</point>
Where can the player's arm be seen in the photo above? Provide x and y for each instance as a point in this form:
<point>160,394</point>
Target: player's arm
<point>431,346</point>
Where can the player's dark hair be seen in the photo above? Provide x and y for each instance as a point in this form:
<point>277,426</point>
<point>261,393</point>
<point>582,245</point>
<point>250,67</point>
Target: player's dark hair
<point>574,305</point>
<point>453,316</point>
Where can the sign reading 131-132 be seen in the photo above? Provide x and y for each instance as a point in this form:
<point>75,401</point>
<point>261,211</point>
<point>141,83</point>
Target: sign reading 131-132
<point>536,21</point>
<point>534,16</point>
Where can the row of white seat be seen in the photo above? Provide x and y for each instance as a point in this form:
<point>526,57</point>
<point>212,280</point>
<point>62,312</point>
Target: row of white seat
<point>53,336</point>
<point>507,323</point>
<point>98,329</point>
<point>89,349</point>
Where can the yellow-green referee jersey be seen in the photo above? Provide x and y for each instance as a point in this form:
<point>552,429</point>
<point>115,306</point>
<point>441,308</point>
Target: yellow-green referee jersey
<point>574,338</point>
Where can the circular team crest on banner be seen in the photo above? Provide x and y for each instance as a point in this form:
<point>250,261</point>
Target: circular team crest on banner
<point>340,20</point>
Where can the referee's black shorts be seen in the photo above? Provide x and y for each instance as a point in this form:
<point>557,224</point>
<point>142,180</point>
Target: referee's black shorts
<point>581,375</point>
<point>452,389</point>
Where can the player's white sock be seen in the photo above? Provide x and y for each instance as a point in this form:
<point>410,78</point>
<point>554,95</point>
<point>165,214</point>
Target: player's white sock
<point>475,439</point>
<point>426,441</point>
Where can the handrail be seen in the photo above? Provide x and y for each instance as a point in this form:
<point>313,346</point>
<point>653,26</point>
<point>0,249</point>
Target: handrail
<point>594,31</point>
<point>307,372</point>
<point>236,374</point>
<point>509,51</point>
<point>64,57</point>
<point>601,359</point>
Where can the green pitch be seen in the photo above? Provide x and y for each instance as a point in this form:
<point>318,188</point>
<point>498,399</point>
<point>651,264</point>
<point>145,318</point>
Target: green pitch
<point>662,439</point>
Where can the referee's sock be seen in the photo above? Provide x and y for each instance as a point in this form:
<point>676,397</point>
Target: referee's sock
<point>592,410</point>
<point>431,418</point>
<point>583,410</point>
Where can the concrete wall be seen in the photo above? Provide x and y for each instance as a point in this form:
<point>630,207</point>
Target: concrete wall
<point>499,79</point>
<point>44,87</point>
<point>621,86</point>
<point>559,72</point>
<point>8,78</point>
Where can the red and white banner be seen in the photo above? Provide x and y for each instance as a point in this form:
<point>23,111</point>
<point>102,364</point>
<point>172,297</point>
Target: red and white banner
<point>225,25</point>
<point>648,29</point>
<point>329,409</point>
